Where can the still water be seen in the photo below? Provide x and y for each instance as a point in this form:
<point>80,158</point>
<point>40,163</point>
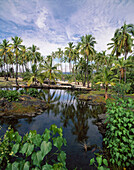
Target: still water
<point>74,116</point>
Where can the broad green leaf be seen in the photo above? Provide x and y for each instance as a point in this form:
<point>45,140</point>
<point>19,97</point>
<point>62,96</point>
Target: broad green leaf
<point>27,149</point>
<point>105,162</point>
<point>47,167</point>
<point>92,161</point>
<point>15,166</point>
<point>46,135</point>
<point>99,160</point>
<point>15,148</point>
<point>26,166</point>
<point>37,158</point>
<point>45,148</point>
<point>37,140</point>
<point>62,158</point>
<point>58,142</point>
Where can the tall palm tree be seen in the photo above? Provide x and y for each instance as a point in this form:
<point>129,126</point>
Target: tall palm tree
<point>16,47</point>
<point>69,53</point>
<point>106,77</point>
<point>49,70</point>
<point>4,47</point>
<point>87,48</point>
<point>35,55</point>
<point>60,56</point>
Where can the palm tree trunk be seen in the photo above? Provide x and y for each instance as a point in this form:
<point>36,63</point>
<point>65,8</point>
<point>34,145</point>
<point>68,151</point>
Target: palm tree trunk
<point>87,74</point>
<point>106,89</point>
<point>7,73</point>
<point>84,82</point>
<point>17,70</point>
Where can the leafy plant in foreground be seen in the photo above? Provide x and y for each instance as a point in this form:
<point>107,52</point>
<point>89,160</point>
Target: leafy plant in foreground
<point>33,151</point>
<point>120,132</point>
<point>102,163</point>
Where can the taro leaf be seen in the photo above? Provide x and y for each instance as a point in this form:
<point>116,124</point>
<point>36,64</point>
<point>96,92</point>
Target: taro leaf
<point>92,161</point>
<point>37,158</point>
<point>13,166</point>
<point>58,142</point>
<point>47,167</point>
<point>37,140</point>
<point>18,137</point>
<point>15,148</point>
<point>99,160</point>
<point>54,129</point>
<point>46,135</point>
<point>27,149</point>
<point>45,148</point>
<point>62,158</point>
<point>26,166</point>
<point>105,162</point>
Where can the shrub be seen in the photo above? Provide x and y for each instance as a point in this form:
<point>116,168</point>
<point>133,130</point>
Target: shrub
<point>33,151</point>
<point>119,137</point>
<point>10,95</point>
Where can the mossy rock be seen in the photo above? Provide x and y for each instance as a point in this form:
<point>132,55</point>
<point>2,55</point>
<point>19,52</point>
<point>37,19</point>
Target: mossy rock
<point>25,106</point>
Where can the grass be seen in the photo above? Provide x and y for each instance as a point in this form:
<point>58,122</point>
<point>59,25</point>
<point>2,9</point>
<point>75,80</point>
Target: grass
<point>10,82</point>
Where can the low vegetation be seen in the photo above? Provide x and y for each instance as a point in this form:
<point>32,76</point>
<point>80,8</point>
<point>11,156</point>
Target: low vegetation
<point>33,151</point>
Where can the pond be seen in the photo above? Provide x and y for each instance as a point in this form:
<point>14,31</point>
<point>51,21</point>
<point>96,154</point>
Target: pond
<point>74,116</point>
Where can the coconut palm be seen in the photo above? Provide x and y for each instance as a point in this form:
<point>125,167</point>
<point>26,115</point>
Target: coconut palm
<point>121,65</point>
<point>34,54</point>
<point>34,76</point>
<point>106,77</point>
<point>87,48</point>
<point>49,70</point>
<point>4,47</point>
<point>16,47</point>
<point>69,53</point>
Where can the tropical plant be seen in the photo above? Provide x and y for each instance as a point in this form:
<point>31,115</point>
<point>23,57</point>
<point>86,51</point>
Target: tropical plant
<point>9,95</point>
<point>87,48</point>
<point>69,53</point>
<point>49,70</point>
<point>16,47</point>
<point>106,77</point>
<point>4,47</point>
<point>119,137</point>
<point>34,76</point>
<point>33,151</point>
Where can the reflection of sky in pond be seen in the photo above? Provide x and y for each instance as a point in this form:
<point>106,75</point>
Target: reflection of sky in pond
<point>76,119</point>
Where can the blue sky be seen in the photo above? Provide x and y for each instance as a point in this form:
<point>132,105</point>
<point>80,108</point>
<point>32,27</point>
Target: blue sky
<point>51,24</point>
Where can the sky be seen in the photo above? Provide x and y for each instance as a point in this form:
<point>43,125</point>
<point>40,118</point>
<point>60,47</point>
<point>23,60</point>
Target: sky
<point>51,24</point>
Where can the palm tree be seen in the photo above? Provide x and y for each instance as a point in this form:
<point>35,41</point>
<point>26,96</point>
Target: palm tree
<point>59,53</point>
<point>106,77</point>
<point>69,53</point>
<point>87,48</point>
<point>49,70</point>
<point>33,76</point>
<point>16,47</point>
<point>4,47</point>
<point>35,55</point>
<point>121,65</point>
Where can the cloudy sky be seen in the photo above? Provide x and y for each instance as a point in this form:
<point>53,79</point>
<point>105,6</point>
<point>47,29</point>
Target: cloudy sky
<point>51,24</point>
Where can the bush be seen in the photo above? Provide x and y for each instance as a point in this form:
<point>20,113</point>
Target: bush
<point>33,151</point>
<point>32,92</point>
<point>10,95</point>
<point>119,137</point>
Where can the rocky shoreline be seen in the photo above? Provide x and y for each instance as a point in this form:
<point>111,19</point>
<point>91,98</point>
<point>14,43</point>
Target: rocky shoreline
<point>26,106</point>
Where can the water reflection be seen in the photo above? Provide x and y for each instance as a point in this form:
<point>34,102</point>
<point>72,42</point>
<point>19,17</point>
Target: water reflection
<point>73,115</point>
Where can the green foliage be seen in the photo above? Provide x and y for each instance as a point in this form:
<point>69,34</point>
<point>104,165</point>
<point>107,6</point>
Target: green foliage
<point>119,137</point>
<point>121,89</point>
<point>9,95</point>
<point>32,92</point>
<point>33,151</point>
<point>102,163</point>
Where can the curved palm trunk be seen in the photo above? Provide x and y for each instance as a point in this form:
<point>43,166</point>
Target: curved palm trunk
<point>87,74</point>
<point>106,89</point>
<point>7,73</point>
<point>17,70</point>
